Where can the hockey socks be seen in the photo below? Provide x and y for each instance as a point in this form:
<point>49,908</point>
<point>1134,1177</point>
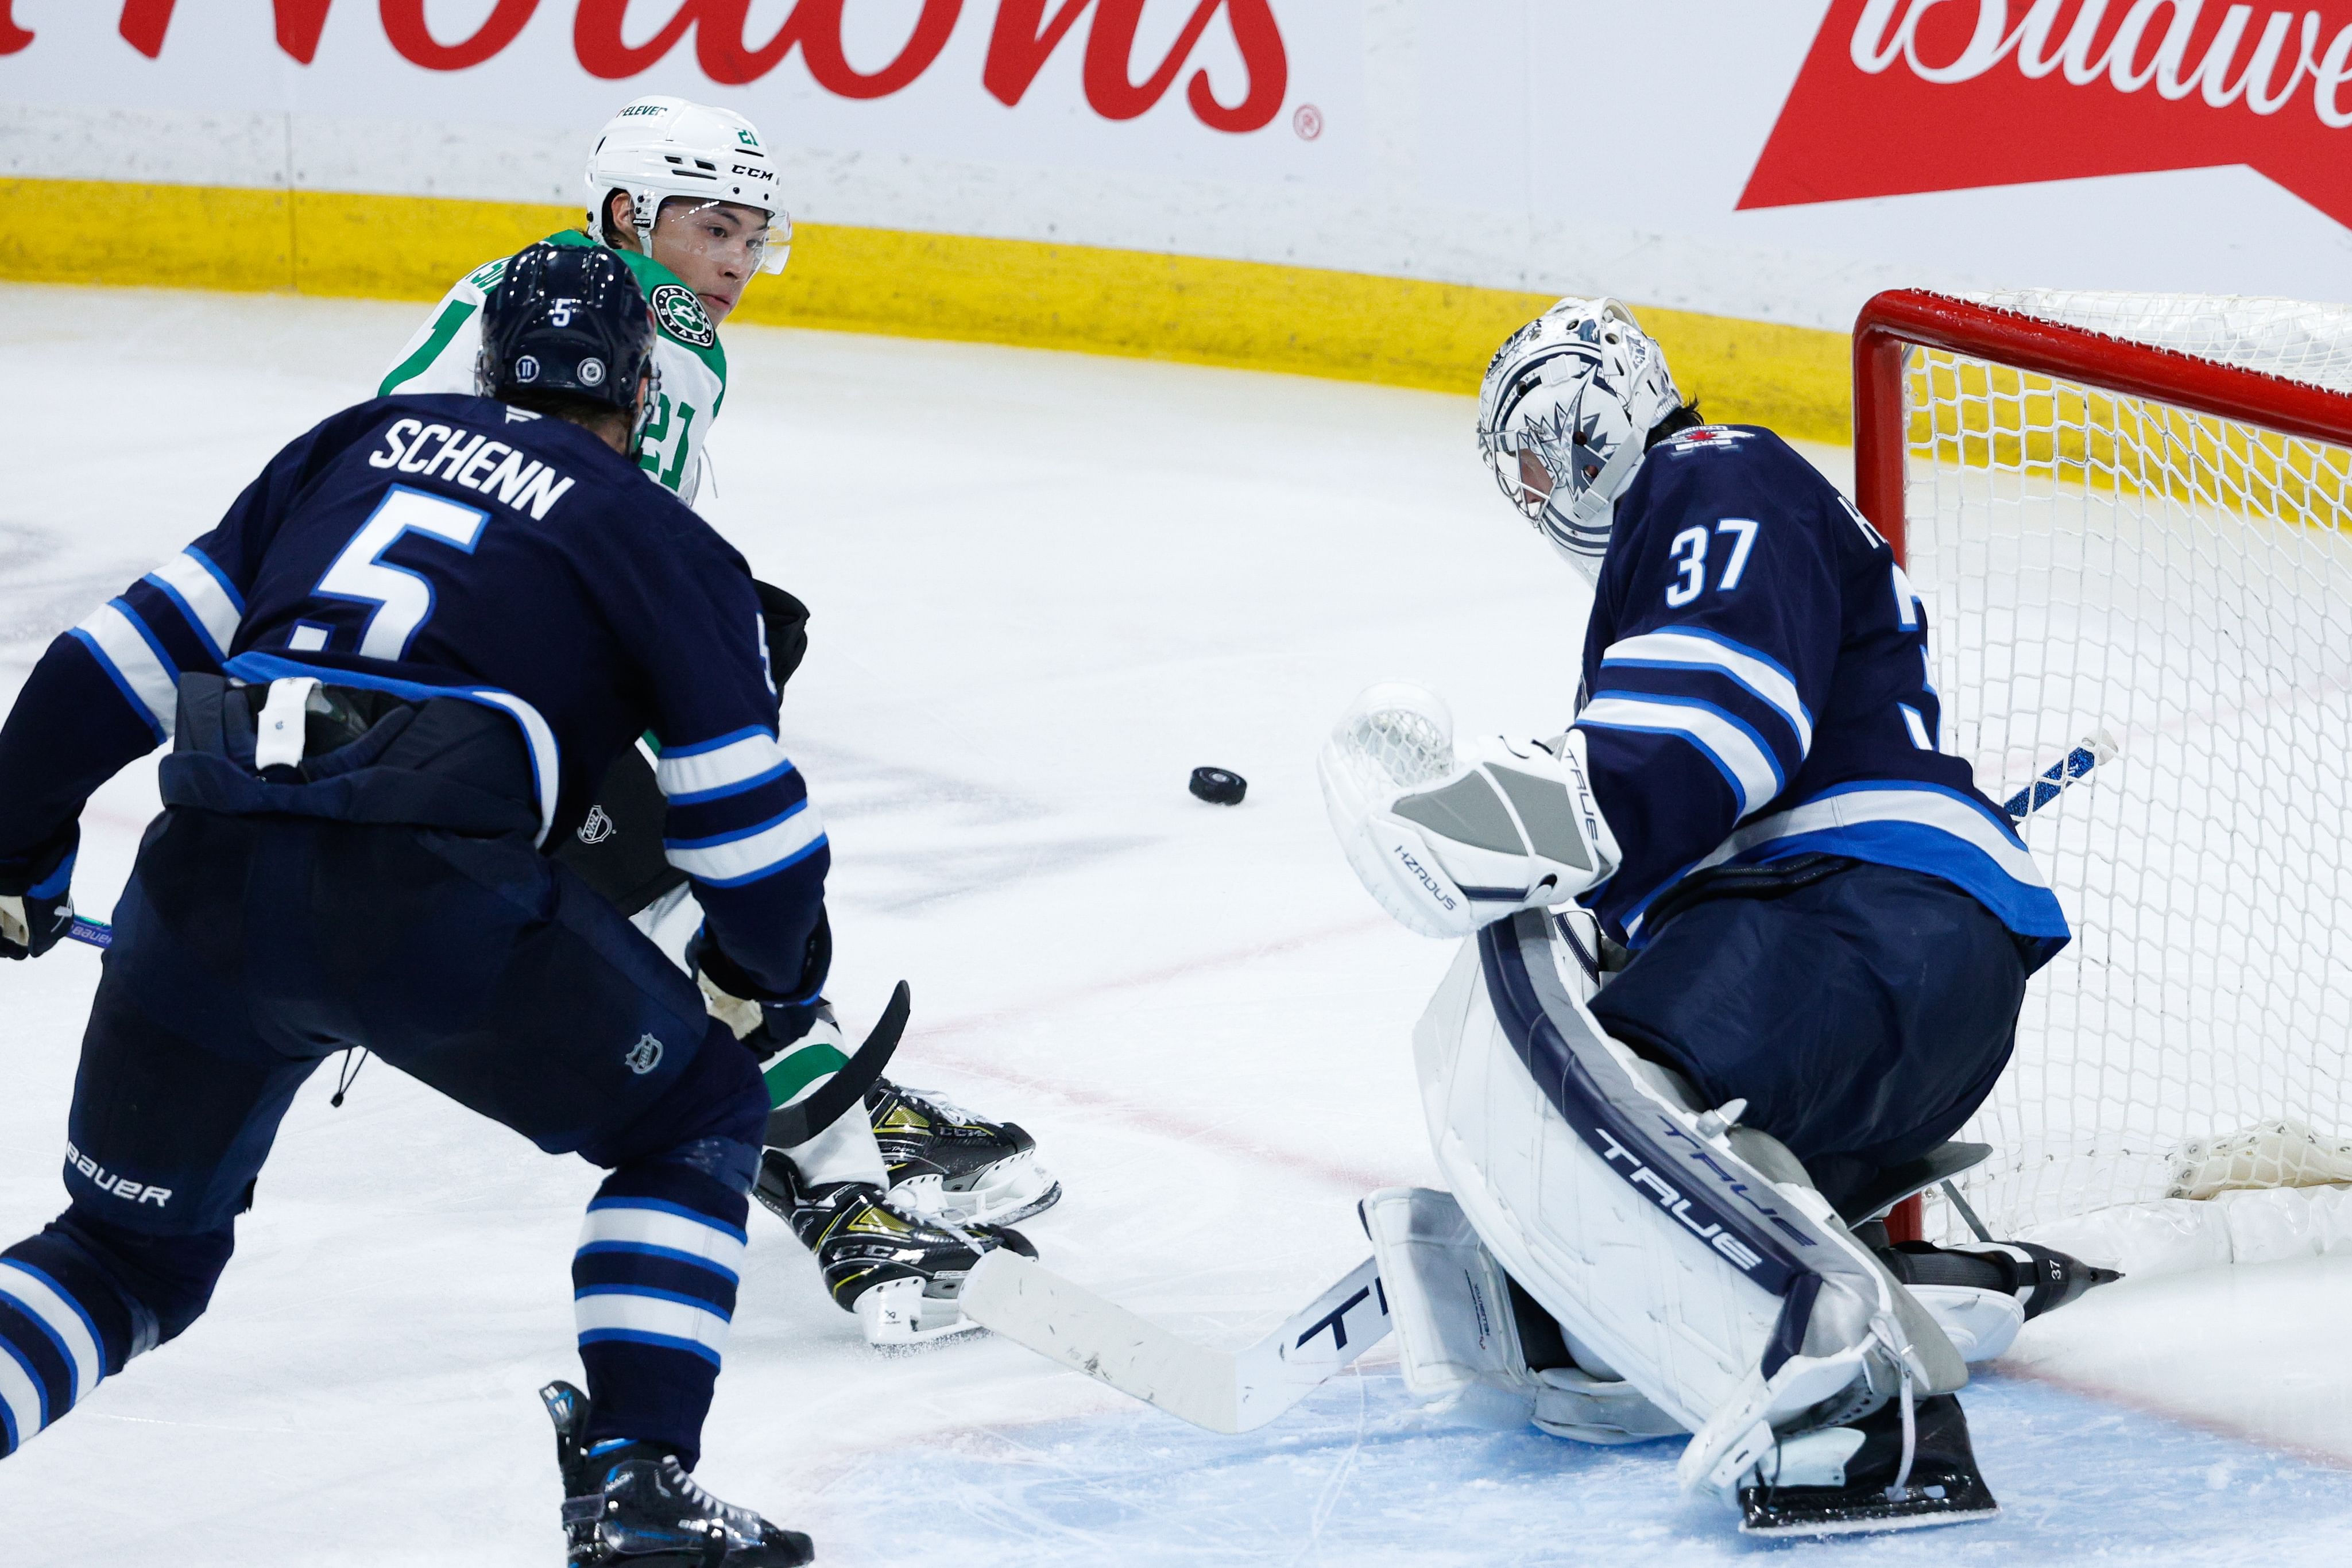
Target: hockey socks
<point>64,1326</point>
<point>654,1287</point>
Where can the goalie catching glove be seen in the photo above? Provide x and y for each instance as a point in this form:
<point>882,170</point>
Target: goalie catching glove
<point>1445,845</point>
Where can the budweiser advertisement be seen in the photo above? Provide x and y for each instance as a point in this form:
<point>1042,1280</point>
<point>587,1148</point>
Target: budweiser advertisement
<point>1898,96</point>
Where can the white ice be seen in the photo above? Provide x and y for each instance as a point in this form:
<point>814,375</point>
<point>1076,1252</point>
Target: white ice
<point>1045,587</point>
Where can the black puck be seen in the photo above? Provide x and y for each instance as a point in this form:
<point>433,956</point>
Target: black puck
<point>1218,787</point>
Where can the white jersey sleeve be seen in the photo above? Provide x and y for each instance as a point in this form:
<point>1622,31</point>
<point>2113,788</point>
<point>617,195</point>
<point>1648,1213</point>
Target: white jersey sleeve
<point>440,357</point>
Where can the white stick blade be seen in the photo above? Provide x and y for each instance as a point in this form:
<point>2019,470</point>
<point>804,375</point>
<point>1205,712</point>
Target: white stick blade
<point>1033,1306</point>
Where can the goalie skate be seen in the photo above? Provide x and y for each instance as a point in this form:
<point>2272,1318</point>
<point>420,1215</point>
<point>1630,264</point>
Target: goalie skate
<point>899,1274</point>
<point>951,1166</point>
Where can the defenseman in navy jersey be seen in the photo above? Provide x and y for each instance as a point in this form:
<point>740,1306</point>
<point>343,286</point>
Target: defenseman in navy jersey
<point>1815,930</point>
<point>392,677</point>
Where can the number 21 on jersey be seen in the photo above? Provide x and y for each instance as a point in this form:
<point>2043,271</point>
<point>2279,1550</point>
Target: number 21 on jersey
<point>1688,553</point>
<point>403,599</point>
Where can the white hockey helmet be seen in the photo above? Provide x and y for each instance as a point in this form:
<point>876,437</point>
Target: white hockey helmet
<point>1580,387</point>
<point>658,148</point>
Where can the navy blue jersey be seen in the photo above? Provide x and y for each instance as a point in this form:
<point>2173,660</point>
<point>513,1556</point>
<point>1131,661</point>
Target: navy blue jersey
<point>440,546</point>
<point>1756,687</point>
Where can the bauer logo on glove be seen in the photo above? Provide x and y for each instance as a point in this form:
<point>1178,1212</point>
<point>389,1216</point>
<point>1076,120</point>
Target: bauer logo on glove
<point>1448,845</point>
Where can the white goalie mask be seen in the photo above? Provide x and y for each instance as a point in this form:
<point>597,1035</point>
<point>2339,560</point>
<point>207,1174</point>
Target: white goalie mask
<point>662,148</point>
<point>1578,390</point>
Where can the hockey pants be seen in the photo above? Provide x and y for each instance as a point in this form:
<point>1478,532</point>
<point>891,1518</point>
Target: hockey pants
<point>247,950</point>
<point>1863,1011</point>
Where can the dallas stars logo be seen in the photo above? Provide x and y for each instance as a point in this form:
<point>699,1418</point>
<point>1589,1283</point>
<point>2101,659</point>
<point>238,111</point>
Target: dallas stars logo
<point>681,314</point>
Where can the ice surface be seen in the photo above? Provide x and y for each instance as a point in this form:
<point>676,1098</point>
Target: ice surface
<point>1045,588</point>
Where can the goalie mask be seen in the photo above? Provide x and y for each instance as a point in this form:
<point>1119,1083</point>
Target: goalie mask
<point>1573,395</point>
<point>661,150</point>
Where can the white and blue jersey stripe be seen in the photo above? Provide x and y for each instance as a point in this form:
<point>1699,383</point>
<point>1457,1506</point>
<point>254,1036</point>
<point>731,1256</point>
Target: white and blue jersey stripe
<point>1756,688</point>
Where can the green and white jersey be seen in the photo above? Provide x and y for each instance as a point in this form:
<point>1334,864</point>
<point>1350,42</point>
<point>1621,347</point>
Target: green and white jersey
<point>693,366</point>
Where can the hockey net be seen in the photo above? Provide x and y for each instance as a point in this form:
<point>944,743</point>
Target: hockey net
<point>2130,519</point>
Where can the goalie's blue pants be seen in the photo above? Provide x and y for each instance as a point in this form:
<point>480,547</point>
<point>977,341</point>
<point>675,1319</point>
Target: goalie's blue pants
<point>1863,1011</point>
<point>248,949</point>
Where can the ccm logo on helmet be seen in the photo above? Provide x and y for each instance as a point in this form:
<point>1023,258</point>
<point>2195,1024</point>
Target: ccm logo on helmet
<point>123,1187</point>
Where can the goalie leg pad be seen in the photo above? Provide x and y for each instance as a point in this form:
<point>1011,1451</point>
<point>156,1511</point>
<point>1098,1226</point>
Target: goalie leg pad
<point>1736,1303</point>
<point>1458,1332</point>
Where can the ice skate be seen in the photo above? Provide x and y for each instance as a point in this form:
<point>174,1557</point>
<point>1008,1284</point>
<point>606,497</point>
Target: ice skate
<point>633,1505</point>
<point>898,1274</point>
<point>1869,1474</point>
<point>950,1166</point>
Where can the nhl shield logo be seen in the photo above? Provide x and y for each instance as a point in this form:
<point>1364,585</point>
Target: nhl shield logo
<point>681,314</point>
<point>644,1056</point>
<point>597,828</point>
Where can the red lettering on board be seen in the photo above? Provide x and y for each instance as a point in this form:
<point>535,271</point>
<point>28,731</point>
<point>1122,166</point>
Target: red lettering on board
<point>404,24</point>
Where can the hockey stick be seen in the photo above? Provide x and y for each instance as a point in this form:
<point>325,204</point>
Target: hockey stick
<point>796,1124</point>
<point>1224,1391</point>
<point>2092,750</point>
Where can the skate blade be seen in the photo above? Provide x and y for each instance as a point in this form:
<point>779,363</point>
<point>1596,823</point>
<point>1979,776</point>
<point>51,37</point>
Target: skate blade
<point>1012,1191</point>
<point>894,1314</point>
<point>1863,1511</point>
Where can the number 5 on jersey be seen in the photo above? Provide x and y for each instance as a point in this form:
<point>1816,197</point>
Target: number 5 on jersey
<point>403,599</point>
<point>1688,552</point>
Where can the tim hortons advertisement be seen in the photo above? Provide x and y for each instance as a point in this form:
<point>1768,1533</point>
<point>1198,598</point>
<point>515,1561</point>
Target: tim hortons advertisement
<point>1216,69</point>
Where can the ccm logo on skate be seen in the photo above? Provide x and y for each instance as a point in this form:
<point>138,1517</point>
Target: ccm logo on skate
<point>1674,1203</point>
<point>128,1191</point>
<point>1426,880</point>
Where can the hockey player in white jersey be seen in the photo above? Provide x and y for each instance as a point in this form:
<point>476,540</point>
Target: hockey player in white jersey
<point>1794,945</point>
<point>899,1198</point>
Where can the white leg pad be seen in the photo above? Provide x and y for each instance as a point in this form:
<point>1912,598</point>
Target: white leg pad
<point>1458,1336</point>
<point>1640,1226</point>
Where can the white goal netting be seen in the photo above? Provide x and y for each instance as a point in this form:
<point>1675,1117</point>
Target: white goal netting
<point>2098,567</point>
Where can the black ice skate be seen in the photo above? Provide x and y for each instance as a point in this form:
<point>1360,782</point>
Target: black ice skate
<point>898,1274</point>
<point>632,1505</point>
<point>1864,1476</point>
<point>2042,1280</point>
<point>950,1166</point>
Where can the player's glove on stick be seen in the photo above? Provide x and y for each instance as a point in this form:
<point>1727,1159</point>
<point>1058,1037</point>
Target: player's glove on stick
<point>1447,844</point>
<point>30,926</point>
<point>765,1025</point>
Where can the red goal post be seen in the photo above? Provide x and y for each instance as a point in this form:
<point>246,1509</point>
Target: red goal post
<point>1894,323</point>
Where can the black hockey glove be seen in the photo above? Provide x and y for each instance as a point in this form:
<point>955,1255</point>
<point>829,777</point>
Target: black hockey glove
<point>31,926</point>
<point>762,1023</point>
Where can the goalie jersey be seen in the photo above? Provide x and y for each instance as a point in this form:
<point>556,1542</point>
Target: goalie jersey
<point>454,547</point>
<point>1756,687</point>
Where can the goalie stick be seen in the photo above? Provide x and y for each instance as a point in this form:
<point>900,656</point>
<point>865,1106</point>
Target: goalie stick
<point>2092,750</point>
<point>1223,1391</point>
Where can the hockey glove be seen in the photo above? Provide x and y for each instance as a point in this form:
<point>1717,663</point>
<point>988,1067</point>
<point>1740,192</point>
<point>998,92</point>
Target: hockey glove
<point>1445,845</point>
<point>30,925</point>
<point>765,1025</point>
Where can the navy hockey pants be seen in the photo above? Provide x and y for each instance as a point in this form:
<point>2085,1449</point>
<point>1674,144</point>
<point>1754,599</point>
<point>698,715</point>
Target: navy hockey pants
<point>248,949</point>
<point>1863,1011</point>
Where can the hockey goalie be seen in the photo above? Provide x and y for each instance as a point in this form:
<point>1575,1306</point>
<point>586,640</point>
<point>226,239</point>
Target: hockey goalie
<point>1742,949</point>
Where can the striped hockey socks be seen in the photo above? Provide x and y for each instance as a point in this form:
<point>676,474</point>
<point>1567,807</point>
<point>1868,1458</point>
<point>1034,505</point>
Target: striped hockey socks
<point>654,1291</point>
<point>63,1327</point>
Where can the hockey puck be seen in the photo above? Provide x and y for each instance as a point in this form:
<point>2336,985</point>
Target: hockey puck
<point>1218,787</point>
